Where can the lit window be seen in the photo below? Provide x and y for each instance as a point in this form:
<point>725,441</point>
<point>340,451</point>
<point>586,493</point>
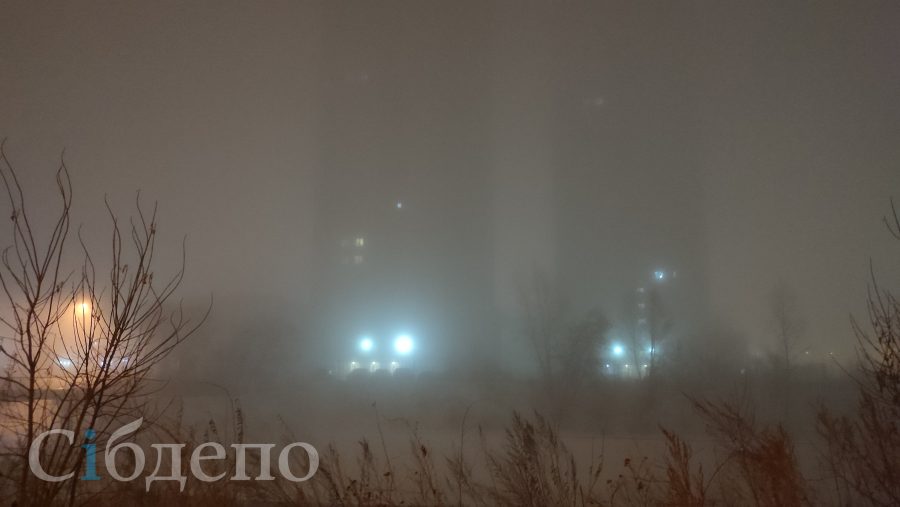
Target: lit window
<point>360,242</point>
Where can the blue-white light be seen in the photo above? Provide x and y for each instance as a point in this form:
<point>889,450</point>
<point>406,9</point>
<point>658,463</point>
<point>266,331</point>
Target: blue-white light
<point>659,276</point>
<point>618,350</point>
<point>403,344</point>
<point>366,344</point>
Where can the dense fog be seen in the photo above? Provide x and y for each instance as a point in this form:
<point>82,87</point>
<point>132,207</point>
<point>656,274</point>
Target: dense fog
<point>421,217</point>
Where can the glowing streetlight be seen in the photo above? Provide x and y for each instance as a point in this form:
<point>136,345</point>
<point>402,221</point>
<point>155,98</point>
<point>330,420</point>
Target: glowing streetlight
<point>403,344</point>
<point>366,344</point>
<point>618,350</point>
<point>83,310</point>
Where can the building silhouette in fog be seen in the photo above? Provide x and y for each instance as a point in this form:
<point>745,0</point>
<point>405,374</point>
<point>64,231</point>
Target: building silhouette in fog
<point>441,190</point>
<point>402,188</point>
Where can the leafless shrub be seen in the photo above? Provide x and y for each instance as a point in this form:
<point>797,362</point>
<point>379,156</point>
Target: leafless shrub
<point>683,486</point>
<point>759,464</point>
<point>81,346</point>
<point>563,349</point>
<point>424,475</point>
<point>863,451</point>
<point>636,485</point>
<point>533,468</point>
<point>370,484</point>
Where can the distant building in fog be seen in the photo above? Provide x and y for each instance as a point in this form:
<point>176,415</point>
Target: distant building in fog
<point>402,222</point>
<point>441,191</point>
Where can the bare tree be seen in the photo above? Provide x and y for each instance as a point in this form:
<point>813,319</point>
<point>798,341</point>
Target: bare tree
<point>544,320</point>
<point>634,328</point>
<point>787,325</point>
<point>565,351</point>
<point>864,450</point>
<point>81,344</point>
<point>659,326</point>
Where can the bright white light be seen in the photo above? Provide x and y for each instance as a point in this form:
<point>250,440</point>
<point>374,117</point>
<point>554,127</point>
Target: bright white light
<point>366,344</point>
<point>394,366</point>
<point>399,204</point>
<point>354,365</point>
<point>650,350</point>
<point>659,275</point>
<point>83,310</point>
<point>618,350</point>
<point>403,344</point>
<point>374,366</point>
<point>65,362</point>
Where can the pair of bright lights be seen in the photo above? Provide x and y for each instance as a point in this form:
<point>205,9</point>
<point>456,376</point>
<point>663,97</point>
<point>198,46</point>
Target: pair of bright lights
<point>403,344</point>
<point>619,351</point>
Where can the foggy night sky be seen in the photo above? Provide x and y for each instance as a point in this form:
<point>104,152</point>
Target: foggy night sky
<point>744,144</point>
